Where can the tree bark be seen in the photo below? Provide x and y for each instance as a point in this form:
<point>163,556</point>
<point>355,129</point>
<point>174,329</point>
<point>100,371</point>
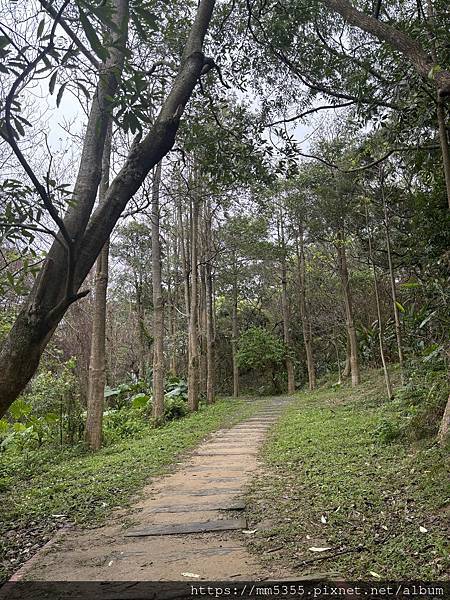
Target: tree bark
<point>444,428</point>
<point>304,313</point>
<point>158,303</point>
<point>193,360</point>
<point>97,362</point>
<point>351,331</point>
<point>47,303</point>
<point>347,368</point>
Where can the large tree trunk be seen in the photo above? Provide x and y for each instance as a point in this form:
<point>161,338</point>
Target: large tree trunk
<point>285,310</point>
<point>193,360</point>
<point>387,378</point>
<point>48,302</point>
<point>351,331</point>
<point>158,303</point>
<point>304,313</point>
<point>97,362</point>
<point>235,333</point>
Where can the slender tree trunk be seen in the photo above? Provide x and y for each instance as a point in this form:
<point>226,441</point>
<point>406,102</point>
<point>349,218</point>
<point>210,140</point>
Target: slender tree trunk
<point>304,313</point>
<point>285,311</point>
<point>202,319</point>
<point>377,301</point>
<point>336,348</point>
<point>210,330</point>
<point>351,331</point>
<point>443,138</point>
<point>97,362</point>
<point>158,302</point>
<point>67,265</point>
<point>347,366</point>
<point>235,332</point>
<point>193,360</point>
<point>398,331</point>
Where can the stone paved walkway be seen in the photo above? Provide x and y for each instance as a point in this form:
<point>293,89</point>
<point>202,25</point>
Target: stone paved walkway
<point>205,492</point>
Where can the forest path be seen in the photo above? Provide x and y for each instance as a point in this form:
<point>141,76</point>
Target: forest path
<point>201,502</point>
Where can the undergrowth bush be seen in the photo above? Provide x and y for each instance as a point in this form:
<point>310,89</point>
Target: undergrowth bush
<point>417,409</point>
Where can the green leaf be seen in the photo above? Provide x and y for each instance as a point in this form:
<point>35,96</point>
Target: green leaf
<point>400,307</point>
<point>92,36</point>
<point>140,400</point>
<point>60,94</point>
<point>40,28</point>
<point>52,82</point>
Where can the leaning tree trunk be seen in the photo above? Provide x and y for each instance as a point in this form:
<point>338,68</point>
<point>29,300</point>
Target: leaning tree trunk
<point>82,234</point>
<point>193,353</point>
<point>387,378</point>
<point>97,361</point>
<point>304,313</point>
<point>426,64</point>
<point>350,322</point>
<point>285,311</point>
<point>158,303</point>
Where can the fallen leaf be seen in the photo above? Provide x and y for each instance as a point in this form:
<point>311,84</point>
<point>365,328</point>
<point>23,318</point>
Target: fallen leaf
<point>191,575</point>
<point>375,574</point>
<point>314,549</point>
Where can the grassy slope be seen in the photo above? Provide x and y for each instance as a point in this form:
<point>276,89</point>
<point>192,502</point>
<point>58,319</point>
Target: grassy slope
<point>323,459</point>
<point>43,489</point>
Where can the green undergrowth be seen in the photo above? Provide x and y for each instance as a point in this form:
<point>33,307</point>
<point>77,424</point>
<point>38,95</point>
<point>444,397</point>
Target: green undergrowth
<point>336,479</point>
<point>42,490</point>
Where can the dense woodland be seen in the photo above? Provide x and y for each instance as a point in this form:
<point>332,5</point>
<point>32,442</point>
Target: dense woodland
<point>200,200</point>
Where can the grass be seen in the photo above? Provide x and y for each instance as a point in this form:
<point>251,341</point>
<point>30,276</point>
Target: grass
<point>328,460</point>
<point>42,490</point>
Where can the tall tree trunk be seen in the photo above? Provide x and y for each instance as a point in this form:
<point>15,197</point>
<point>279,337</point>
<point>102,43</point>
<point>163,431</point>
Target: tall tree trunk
<point>304,313</point>
<point>210,330</point>
<point>158,302</point>
<point>285,310</point>
<point>202,319</point>
<point>351,331</point>
<point>84,233</point>
<point>97,362</point>
<point>398,331</point>
<point>387,378</point>
<point>235,332</point>
<point>193,360</point>
<point>338,360</point>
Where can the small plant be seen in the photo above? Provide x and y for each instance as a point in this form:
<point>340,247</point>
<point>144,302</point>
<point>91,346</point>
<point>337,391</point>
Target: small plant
<point>175,407</point>
<point>387,431</point>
